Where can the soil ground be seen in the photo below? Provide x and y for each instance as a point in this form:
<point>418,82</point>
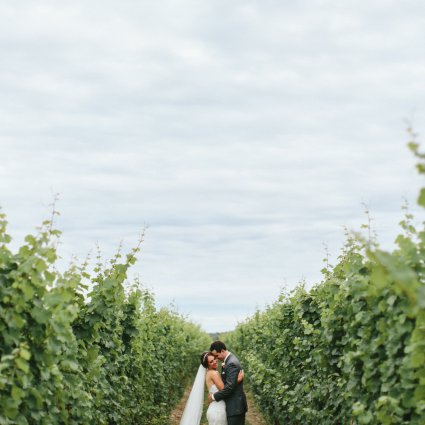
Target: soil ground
<point>253,416</point>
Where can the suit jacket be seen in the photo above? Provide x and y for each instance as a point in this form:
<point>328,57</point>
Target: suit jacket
<point>232,393</point>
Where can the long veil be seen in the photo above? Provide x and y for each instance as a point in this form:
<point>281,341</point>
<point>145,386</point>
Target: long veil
<point>193,410</point>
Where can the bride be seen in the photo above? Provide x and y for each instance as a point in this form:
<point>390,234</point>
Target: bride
<point>208,374</point>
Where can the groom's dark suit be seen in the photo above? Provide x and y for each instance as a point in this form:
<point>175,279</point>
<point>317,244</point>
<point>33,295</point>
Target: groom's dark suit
<point>232,393</point>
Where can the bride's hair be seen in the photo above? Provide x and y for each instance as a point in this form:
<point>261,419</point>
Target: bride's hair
<point>204,358</point>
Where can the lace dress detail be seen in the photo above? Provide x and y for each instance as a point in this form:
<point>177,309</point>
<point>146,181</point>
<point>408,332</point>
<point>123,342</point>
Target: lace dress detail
<point>216,413</point>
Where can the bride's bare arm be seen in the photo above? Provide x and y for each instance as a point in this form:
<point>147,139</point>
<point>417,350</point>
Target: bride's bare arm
<point>217,380</point>
<point>214,376</point>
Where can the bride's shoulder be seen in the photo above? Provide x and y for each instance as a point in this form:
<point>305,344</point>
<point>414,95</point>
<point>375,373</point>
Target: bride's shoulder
<point>212,374</point>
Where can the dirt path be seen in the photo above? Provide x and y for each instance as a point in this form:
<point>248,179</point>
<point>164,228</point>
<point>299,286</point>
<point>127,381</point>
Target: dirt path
<point>176,414</point>
<point>253,416</point>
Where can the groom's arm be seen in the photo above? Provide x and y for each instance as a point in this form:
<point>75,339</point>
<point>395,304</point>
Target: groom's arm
<point>230,384</point>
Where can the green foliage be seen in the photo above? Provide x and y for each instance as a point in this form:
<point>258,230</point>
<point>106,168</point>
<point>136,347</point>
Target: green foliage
<point>41,381</point>
<point>108,358</point>
<point>350,349</point>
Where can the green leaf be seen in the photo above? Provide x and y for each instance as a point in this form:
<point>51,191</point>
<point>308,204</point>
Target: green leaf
<point>22,364</point>
<point>30,239</point>
<point>420,393</point>
<point>17,393</point>
<point>28,290</point>
<point>40,315</point>
<point>24,353</point>
<point>421,198</point>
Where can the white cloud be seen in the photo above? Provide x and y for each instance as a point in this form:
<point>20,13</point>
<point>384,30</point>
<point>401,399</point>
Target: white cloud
<point>245,134</point>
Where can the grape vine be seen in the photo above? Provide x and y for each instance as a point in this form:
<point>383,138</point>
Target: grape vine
<point>352,348</point>
<point>110,357</point>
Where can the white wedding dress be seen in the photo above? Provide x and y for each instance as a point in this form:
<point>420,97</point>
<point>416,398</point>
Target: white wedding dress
<point>216,413</point>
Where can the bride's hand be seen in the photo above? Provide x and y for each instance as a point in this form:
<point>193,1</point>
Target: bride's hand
<point>241,375</point>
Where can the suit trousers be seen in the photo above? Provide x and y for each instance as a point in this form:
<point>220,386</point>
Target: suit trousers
<point>236,419</point>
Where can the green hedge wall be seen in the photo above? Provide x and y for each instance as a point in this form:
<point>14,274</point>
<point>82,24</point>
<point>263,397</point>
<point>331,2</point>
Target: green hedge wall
<point>352,348</point>
<point>82,349</point>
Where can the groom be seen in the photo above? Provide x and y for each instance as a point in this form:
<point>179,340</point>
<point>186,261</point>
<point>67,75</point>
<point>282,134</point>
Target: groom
<point>232,393</point>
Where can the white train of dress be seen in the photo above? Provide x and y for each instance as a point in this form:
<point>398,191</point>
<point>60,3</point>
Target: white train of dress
<point>216,413</point>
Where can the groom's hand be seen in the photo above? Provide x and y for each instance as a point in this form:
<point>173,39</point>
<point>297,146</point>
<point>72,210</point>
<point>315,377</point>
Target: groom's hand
<point>210,399</point>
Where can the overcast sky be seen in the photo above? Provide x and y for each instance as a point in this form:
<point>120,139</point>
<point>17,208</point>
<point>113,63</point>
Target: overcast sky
<point>245,134</point>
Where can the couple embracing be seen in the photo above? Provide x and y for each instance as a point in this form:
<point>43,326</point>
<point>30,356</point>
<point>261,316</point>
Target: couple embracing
<point>225,393</point>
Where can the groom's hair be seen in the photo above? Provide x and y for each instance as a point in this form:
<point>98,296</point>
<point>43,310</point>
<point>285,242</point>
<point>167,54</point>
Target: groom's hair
<point>218,346</point>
